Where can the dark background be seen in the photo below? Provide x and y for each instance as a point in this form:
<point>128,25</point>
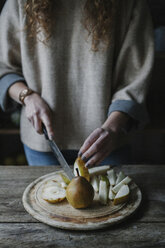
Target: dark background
<point>157,8</point>
<point>147,146</point>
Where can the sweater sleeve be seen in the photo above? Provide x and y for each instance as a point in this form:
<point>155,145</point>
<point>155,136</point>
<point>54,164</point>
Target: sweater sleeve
<point>10,54</point>
<point>134,66</point>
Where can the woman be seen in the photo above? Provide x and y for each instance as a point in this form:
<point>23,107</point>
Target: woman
<point>71,64</point>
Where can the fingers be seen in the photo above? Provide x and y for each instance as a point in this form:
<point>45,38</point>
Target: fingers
<point>90,140</point>
<point>37,124</point>
<point>48,124</point>
<point>97,145</point>
<point>38,112</point>
<point>37,121</point>
<point>97,158</point>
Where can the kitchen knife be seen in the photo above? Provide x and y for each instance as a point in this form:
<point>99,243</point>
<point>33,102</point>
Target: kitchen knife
<point>59,155</point>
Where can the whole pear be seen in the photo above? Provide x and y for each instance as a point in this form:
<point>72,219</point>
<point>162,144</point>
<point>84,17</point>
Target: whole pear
<point>80,193</point>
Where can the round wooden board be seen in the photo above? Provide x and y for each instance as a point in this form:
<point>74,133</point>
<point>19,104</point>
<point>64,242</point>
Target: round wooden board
<point>63,215</point>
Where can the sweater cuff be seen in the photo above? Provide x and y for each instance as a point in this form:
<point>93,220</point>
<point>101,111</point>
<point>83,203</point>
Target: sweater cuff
<point>6,103</point>
<point>136,111</point>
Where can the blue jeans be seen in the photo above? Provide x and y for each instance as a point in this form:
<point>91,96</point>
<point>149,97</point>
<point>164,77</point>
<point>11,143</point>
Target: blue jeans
<point>35,158</point>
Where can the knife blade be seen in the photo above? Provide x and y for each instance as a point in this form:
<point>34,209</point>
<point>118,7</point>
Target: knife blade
<point>59,155</point>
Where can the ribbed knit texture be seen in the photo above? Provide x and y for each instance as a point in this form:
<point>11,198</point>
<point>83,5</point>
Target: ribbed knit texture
<point>78,84</point>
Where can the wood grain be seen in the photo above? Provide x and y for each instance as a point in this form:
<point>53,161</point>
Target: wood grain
<point>146,229</point>
<point>38,235</point>
<point>149,178</point>
<point>64,216</point>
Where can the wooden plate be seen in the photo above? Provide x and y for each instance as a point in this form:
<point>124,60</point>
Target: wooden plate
<point>63,215</point>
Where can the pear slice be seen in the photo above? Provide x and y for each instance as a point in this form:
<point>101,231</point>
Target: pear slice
<point>63,185</point>
<point>83,171</point>
<point>65,178</point>
<point>103,192</point>
<point>117,187</point>
<point>99,170</point>
<point>111,195</point>
<point>112,177</point>
<point>120,177</point>
<point>53,183</point>
<point>95,183</point>
<point>122,195</point>
<point>53,194</point>
<point>105,178</point>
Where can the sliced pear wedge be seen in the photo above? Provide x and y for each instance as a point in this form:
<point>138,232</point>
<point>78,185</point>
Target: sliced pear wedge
<point>117,187</point>
<point>111,195</point>
<point>63,185</point>
<point>122,195</point>
<point>105,178</point>
<point>53,194</point>
<point>53,182</point>
<point>111,177</point>
<point>95,183</point>
<point>120,177</point>
<point>65,178</point>
<point>103,192</point>
<point>99,170</point>
<point>83,171</point>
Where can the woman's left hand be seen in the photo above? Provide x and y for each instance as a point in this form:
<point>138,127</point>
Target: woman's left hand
<point>102,141</point>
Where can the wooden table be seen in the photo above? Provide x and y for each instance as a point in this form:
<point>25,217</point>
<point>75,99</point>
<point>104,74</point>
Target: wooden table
<point>146,228</point>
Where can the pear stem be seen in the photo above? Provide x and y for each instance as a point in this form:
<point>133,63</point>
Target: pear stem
<point>77,172</point>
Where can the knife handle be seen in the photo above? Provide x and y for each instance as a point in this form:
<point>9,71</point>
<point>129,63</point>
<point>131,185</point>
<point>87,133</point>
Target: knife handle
<point>45,131</point>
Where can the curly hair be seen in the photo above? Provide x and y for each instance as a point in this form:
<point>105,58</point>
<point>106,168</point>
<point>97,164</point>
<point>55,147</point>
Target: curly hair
<point>97,18</point>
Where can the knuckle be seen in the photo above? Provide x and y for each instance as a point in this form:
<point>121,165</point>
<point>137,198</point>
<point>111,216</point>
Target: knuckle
<point>43,113</point>
<point>35,112</point>
<point>106,134</point>
<point>29,115</point>
<point>96,147</point>
<point>88,142</point>
<point>46,111</point>
<point>99,130</point>
<point>86,155</point>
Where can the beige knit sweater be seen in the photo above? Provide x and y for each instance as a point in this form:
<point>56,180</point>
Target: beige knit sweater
<point>79,85</point>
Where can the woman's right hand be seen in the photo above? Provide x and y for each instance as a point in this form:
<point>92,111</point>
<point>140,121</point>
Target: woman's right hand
<point>38,112</point>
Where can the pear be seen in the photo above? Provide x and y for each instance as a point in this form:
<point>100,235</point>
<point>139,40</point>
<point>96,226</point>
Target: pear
<point>111,195</point>
<point>99,170</point>
<point>95,183</point>
<point>65,178</point>
<point>63,185</point>
<point>82,170</point>
<point>54,183</point>
<point>103,192</point>
<point>53,194</point>
<point>80,192</point>
<point>122,195</point>
<point>120,177</point>
<point>117,187</point>
<point>111,177</point>
<point>105,178</point>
